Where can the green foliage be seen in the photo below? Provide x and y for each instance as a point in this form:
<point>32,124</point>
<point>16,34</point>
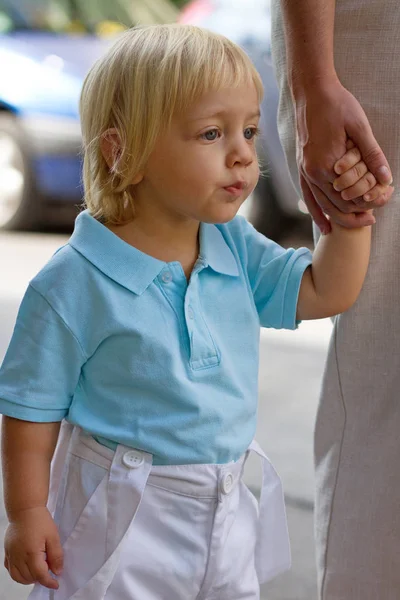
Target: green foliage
<point>180,3</point>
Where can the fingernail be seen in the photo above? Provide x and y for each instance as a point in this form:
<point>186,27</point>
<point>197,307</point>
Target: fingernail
<point>367,197</point>
<point>336,187</point>
<point>384,171</point>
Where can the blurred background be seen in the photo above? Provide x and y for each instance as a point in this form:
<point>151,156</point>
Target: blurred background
<point>46,48</point>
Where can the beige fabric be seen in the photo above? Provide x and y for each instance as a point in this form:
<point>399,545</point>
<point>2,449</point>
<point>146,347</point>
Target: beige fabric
<point>357,440</point>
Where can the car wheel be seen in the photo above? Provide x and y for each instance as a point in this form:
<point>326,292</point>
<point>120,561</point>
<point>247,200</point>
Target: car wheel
<point>19,201</point>
<point>266,214</point>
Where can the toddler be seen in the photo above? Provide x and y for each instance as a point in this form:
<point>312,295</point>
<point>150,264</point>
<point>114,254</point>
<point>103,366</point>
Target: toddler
<point>141,335</point>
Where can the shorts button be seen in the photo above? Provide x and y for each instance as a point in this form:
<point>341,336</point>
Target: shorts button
<point>227,483</point>
<point>132,459</point>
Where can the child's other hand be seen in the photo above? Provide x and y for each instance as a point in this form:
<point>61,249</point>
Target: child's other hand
<point>355,180</point>
<point>32,548</point>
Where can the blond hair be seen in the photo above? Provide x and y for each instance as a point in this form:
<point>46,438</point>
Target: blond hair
<point>149,75</point>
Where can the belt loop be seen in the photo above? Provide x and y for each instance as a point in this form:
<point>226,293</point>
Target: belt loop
<point>272,555</point>
<point>129,472</point>
<point>127,480</point>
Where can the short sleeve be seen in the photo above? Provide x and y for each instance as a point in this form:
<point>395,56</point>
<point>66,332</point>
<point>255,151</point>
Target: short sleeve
<point>42,365</point>
<point>275,276</point>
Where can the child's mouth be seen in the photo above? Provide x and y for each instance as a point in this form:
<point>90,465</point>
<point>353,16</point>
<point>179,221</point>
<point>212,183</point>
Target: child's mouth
<point>236,188</point>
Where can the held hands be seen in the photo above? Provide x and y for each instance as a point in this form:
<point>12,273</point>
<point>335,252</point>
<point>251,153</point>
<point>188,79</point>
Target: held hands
<point>328,116</point>
<point>32,548</point>
<point>340,261</point>
<point>355,180</point>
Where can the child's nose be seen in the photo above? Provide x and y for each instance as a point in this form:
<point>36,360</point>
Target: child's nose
<point>241,153</point>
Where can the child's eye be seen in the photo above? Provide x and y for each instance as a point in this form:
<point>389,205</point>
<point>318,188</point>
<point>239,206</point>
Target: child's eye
<point>251,132</point>
<point>211,135</point>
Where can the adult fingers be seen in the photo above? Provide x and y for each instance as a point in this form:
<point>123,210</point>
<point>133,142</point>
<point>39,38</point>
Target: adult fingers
<point>341,212</point>
<point>313,207</point>
<point>349,220</point>
<point>330,196</point>
<point>361,133</point>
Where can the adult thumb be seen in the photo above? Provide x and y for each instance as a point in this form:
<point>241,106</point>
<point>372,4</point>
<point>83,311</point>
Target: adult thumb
<point>371,152</point>
<point>55,555</point>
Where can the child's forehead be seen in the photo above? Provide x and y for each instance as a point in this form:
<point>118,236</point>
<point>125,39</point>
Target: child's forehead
<point>226,101</point>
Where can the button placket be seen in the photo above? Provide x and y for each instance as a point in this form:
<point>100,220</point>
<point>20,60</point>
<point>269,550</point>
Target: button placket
<point>189,300</point>
<point>166,277</point>
<point>203,351</point>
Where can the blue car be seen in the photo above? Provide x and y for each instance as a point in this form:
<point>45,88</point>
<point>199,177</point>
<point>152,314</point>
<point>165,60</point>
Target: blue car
<point>46,48</point>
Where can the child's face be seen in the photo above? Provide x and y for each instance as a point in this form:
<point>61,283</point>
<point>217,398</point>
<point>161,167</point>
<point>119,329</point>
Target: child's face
<point>205,165</point>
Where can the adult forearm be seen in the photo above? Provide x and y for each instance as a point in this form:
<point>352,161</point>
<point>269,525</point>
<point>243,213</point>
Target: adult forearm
<point>27,450</point>
<point>309,29</point>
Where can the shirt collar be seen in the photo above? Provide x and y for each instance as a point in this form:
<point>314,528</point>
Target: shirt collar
<point>215,251</point>
<point>134,269</point>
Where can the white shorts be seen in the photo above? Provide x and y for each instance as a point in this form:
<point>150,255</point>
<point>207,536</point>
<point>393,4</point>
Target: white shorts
<point>133,531</point>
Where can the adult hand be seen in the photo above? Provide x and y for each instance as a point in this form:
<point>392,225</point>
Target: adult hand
<point>327,116</point>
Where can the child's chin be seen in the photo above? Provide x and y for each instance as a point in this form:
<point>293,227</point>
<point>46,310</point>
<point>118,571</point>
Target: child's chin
<point>220,217</point>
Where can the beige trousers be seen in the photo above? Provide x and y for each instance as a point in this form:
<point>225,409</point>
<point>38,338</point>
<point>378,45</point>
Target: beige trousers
<point>357,439</point>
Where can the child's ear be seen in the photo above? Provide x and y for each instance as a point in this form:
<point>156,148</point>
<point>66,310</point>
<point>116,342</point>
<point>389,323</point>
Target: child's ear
<point>110,146</point>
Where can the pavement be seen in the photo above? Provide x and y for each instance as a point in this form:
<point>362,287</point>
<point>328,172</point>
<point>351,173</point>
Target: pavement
<point>291,365</point>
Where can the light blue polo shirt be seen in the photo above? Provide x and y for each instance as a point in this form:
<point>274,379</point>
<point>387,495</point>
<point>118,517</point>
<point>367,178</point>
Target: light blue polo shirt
<point>121,344</point>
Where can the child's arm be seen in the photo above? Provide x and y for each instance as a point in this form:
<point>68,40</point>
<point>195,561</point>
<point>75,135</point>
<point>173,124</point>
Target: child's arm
<point>340,261</point>
<point>32,545</point>
<point>333,282</point>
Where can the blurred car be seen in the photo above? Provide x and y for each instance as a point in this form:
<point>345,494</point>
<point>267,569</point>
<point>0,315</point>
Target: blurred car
<point>46,48</point>
<point>275,206</point>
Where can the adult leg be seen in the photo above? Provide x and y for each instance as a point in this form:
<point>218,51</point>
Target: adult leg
<point>357,441</point>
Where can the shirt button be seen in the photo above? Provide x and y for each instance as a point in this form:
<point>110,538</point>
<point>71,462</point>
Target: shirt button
<point>190,313</point>
<point>227,483</point>
<point>166,277</point>
<point>132,459</point>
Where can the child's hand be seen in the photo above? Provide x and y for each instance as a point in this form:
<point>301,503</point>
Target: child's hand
<point>354,178</point>
<point>32,548</point>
